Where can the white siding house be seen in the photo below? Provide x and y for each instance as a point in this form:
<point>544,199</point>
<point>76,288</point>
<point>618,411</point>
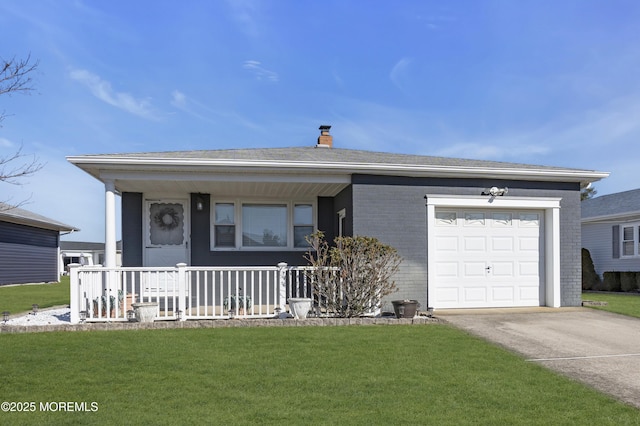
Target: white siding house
<point>611,231</point>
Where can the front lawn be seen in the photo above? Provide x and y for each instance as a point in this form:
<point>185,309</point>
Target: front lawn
<point>358,375</point>
<point>625,304</point>
<point>16,299</point>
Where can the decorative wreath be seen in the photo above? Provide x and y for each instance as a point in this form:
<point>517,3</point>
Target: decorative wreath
<point>167,219</point>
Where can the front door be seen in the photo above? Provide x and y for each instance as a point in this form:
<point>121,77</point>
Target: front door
<point>166,233</point>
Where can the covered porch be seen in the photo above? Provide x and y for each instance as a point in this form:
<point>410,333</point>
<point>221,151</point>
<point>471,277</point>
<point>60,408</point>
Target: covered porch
<point>180,293</point>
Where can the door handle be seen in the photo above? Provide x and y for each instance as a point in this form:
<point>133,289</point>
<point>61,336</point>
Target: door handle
<point>488,269</point>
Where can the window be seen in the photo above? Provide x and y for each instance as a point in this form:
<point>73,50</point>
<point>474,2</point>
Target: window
<point>261,225</point>
<point>302,224</point>
<point>629,240</point>
<point>264,225</point>
<point>224,225</point>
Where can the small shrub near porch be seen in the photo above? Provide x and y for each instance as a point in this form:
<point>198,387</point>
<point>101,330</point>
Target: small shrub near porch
<point>353,276</point>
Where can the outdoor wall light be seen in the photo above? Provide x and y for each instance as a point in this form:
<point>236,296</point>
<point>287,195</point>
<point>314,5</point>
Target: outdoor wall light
<point>5,316</point>
<point>199,203</point>
<point>83,316</point>
<point>35,308</point>
<point>494,191</point>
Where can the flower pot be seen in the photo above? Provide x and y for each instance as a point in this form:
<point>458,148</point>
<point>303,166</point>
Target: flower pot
<point>405,308</point>
<point>146,311</point>
<point>299,307</point>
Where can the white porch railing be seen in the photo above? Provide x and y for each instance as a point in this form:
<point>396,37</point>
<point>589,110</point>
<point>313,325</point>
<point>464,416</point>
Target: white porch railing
<point>101,294</point>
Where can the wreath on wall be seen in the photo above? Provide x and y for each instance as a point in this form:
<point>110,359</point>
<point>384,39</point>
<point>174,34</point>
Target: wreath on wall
<point>167,219</point>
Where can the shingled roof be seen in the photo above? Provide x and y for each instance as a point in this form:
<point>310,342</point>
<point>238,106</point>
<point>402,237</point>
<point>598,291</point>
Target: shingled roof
<point>20,216</point>
<point>612,205</point>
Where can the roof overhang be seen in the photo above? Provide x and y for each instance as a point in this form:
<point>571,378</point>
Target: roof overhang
<point>200,175</point>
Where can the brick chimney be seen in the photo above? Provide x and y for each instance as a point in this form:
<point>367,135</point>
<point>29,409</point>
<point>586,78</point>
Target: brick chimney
<point>325,140</point>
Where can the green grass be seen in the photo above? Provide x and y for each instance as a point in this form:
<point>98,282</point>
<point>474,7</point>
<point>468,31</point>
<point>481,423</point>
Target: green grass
<point>364,375</point>
<point>625,304</point>
<point>16,299</point>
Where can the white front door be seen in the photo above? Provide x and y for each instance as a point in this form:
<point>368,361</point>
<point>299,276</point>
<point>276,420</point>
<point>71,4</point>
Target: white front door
<point>488,258</point>
<point>166,232</point>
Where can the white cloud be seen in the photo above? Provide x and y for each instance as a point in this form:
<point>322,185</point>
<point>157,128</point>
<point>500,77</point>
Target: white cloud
<point>246,14</point>
<point>259,71</point>
<point>398,74</point>
<point>179,99</point>
<point>6,143</point>
<point>102,90</point>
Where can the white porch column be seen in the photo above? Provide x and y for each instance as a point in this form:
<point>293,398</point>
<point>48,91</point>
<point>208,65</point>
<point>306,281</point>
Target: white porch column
<point>110,224</point>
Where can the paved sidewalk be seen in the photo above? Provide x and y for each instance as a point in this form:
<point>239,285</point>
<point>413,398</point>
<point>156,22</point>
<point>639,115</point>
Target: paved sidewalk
<point>595,347</point>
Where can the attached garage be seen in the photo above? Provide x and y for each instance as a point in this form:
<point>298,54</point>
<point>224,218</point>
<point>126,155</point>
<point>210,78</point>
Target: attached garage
<point>492,252</point>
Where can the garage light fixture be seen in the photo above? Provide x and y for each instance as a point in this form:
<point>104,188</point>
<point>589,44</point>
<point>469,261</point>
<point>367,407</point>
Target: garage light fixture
<point>494,191</point>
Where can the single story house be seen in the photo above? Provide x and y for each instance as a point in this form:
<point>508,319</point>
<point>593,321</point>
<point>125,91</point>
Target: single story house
<point>472,233</point>
<point>29,246</point>
<point>611,231</point>
<point>85,253</point>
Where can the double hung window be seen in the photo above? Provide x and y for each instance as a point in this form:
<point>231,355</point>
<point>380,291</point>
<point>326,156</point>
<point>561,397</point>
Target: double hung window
<point>630,239</point>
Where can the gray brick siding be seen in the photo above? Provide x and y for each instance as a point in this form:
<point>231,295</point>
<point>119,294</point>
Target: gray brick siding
<point>394,211</point>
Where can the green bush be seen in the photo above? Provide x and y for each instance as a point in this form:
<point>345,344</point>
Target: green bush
<point>590,279</point>
<point>611,281</point>
<point>628,281</point>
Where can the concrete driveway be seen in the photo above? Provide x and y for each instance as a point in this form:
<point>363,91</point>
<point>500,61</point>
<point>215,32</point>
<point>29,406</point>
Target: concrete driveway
<point>595,347</point>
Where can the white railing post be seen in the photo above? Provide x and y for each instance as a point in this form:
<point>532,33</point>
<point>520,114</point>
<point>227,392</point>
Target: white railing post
<point>282,277</point>
<point>74,290</point>
<point>182,290</point>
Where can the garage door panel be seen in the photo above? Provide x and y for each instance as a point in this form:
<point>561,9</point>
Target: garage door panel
<point>529,269</point>
<point>502,244</point>
<point>528,244</point>
<point>488,258</point>
<point>447,243</point>
<point>475,294</point>
<point>502,294</point>
<point>475,244</point>
<point>502,269</point>
<point>474,269</point>
<point>529,293</point>
<point>447,269</point>
<point>448,296</point>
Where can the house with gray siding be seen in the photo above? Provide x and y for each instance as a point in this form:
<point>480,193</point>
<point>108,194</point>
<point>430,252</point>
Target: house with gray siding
<point>472,233</point>
<point>611,231</point>
<point>29,246</point>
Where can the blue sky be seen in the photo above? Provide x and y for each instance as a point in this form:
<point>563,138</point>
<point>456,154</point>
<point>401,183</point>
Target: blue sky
<point>540,82</point>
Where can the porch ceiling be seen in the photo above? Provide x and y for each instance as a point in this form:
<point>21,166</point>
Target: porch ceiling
<point>239,186</point>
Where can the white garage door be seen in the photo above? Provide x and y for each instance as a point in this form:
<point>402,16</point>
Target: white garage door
<point>487,258</point>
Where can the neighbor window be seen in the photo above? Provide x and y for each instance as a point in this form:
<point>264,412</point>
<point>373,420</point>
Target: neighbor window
<point>630,241</point>
<point>224,225</point>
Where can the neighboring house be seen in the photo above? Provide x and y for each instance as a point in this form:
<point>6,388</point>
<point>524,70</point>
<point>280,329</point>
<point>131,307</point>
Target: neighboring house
<point>472,233</point>
<point>610,231</point>
<point>29,246</point>
<point>85,253</point>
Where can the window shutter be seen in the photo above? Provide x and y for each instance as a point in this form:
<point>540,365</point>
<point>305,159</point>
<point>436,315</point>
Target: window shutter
<point>616,241</point>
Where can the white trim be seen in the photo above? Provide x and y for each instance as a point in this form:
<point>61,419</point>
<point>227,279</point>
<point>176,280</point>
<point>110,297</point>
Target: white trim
<point>110,224</point>
<point>551,207</point>
<point>117,163</point>
<point>239,202</point>
<point>635,226</point>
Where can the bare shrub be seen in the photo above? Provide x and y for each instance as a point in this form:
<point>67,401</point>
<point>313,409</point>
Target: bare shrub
<point>352,277</point>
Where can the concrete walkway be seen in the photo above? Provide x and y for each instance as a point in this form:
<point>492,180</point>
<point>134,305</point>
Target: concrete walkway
<point>595,347</point>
